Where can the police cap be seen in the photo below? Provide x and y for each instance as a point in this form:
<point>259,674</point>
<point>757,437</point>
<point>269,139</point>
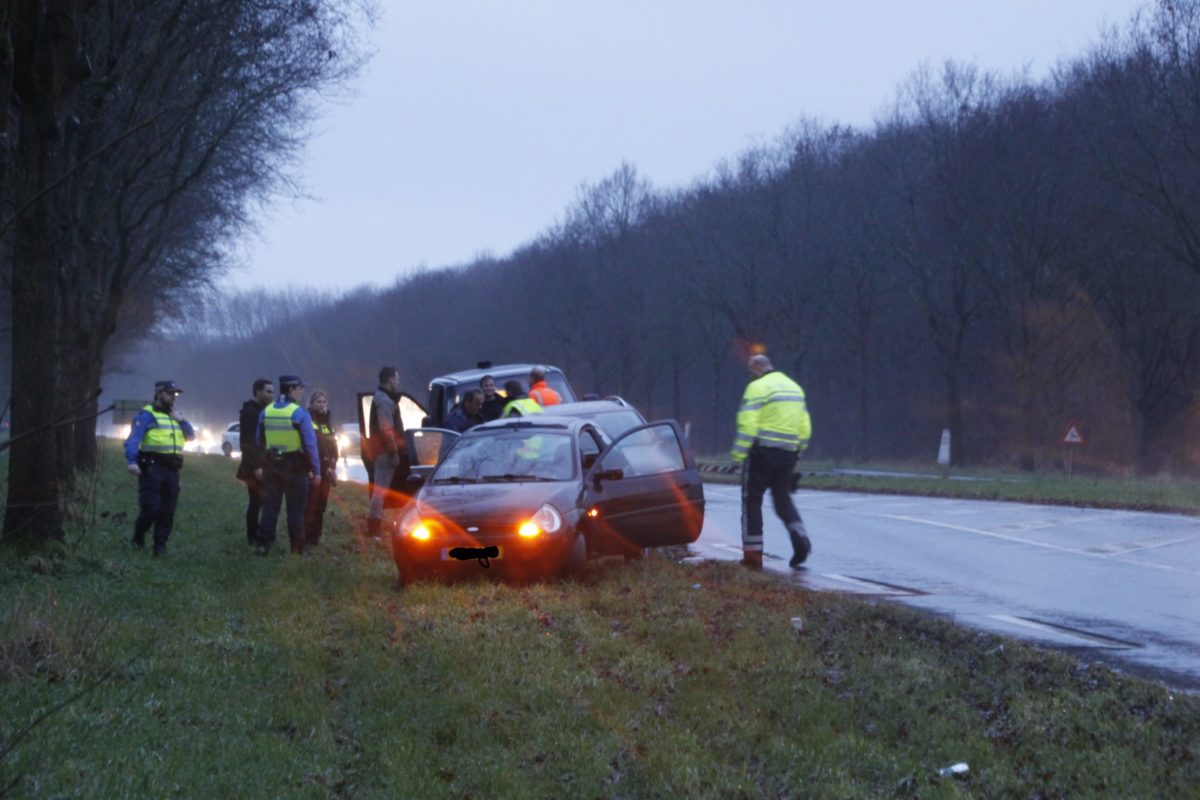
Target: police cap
<point>167,386</point>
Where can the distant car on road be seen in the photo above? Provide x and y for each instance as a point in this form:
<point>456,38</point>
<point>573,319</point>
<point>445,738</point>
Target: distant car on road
<point>539,496</point>
<point>349,440</point>
<point>232,439</point>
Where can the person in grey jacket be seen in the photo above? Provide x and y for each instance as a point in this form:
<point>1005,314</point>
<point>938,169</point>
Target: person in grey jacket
<point>387,446</point>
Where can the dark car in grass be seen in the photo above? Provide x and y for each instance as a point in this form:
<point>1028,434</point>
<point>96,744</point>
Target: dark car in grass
<point>539,496</point>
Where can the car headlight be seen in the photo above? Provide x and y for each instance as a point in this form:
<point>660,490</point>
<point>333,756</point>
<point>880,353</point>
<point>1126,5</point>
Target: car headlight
<point>545,520</point>
<point>413,526</point>
<point>342,441</point>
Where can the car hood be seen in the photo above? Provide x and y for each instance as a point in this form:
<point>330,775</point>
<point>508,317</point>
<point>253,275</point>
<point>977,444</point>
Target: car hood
<point>494,502</point>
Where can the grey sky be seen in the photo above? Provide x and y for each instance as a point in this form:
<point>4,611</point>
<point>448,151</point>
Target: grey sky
<point>477,120</point>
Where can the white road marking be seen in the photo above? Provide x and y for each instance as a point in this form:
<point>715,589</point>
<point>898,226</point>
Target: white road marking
<point>1092,639</point>
<point>1023,540</point>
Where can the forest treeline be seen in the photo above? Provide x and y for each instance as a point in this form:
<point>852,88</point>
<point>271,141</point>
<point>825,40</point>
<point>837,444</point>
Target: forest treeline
<point>136,141</point>
<point>995,256</point>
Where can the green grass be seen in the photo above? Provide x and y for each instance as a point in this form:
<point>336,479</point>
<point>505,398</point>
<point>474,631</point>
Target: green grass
<point>1167,494</point>
<point>225,675</point>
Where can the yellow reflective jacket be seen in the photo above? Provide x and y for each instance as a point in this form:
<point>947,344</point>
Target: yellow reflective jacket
<point>165,438</point>
<point>774,414</point>
<point>521,407</point>
<point>278,432</point>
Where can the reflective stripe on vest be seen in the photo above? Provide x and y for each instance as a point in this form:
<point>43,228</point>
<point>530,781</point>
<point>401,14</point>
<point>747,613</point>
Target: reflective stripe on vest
<point>165,438</point>
<point>278,432</point>
<point>773,413</point>
<point>522,406</point>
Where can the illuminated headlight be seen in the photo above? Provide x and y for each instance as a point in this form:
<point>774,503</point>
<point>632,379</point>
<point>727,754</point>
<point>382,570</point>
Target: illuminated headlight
<point>343,441</point>
<point>413,526</point>
<point>546,520</point>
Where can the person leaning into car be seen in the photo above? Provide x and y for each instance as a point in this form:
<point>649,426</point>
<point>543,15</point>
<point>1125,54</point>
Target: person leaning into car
<point>466,414</point>
<point>387,438</point>
<point>249,470</point>
<point>773,428</point>
<point>289,442</point>
<point>154,453</point>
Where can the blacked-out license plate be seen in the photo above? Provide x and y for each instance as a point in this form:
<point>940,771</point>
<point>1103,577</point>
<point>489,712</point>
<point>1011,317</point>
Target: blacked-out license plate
<point>471,553</point>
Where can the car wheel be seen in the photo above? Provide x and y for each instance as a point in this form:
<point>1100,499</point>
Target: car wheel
<point>227,449</point>
<point>576,557</point>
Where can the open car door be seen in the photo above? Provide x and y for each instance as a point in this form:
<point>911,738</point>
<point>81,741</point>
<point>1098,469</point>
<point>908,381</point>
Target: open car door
<point>411,415</point>
<point>644,490</point>
<point>426,447</point>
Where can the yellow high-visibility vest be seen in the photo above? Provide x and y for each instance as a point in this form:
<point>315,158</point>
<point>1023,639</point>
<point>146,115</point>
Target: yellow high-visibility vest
<point>278,432</point>
<point>523,406</point>
<point>165,438</point>
<point>773,413</point>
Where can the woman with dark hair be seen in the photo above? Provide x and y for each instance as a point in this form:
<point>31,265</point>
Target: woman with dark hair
<point>327,448</point>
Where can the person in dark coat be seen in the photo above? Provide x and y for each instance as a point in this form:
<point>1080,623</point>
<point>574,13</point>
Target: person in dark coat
<point>249,470</point>
<point>466,414</point>
<point>327,451</point>
<point>493,401</point>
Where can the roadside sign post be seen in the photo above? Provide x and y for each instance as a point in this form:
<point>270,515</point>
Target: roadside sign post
<point>1072,438</point>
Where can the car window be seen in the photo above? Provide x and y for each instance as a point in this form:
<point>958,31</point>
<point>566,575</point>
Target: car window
<point>509,456</point>
<point>589,448</point>
<point>649,451</point>
<point>615,423</point>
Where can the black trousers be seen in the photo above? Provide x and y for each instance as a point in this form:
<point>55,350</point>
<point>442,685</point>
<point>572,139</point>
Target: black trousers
<point>767,468</point>
<point>314,513</point>
<point>158,495</point>
<point>282,482</point>
<point>254,502</point>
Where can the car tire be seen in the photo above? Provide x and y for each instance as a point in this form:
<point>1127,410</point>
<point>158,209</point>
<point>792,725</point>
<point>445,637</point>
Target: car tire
<point>576,561</point>
<point>227,449</point>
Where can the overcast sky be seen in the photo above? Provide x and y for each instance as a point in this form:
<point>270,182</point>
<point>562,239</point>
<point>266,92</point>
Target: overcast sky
<point>477,120</point>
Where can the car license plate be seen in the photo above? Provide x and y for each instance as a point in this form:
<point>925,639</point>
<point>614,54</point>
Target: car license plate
<point>471,553</point>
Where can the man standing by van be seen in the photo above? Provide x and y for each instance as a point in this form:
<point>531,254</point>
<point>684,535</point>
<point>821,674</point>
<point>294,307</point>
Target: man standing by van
<point>386,434</point>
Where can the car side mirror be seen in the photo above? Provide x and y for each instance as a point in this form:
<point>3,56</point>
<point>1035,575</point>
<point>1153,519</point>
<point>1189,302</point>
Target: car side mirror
<point>415,479</point>
<point>606,475</point>
<point>427,422</point>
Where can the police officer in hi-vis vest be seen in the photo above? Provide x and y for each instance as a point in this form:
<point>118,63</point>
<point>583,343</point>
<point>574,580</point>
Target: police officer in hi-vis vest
<point>154,453</point>
<point>291,464</point>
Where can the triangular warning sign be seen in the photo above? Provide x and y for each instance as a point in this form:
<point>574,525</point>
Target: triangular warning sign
<point>1073,435</point>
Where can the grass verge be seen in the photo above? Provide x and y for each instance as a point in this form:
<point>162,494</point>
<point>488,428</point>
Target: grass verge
<point>212,673</point>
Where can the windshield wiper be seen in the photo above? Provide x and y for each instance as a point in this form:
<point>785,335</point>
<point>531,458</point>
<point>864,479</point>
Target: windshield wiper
<point>508,476</point>
<point>455,479</point>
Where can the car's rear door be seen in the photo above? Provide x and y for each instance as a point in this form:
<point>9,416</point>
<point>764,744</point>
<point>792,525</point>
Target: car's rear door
<point>658,498</point>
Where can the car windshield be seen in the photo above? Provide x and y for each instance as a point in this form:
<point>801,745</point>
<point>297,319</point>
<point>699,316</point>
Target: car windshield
<point>508,455</point>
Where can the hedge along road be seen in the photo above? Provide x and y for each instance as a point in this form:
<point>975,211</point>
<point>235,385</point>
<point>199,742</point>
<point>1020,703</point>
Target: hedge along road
<point>1122,587</point>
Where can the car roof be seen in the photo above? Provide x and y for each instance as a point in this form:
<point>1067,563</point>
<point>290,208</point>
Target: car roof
<point>588,408</point>
<point>498,371</point>
<point>537,421</point>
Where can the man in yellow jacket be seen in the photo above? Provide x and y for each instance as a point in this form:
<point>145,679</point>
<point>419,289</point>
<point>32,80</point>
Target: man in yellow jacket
<point>773,429</point>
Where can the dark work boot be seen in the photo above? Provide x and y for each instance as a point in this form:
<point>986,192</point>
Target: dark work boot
<point>801,546</point>
<point>159,550</point>
<point>138,540</point>
<point>373,528</point>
